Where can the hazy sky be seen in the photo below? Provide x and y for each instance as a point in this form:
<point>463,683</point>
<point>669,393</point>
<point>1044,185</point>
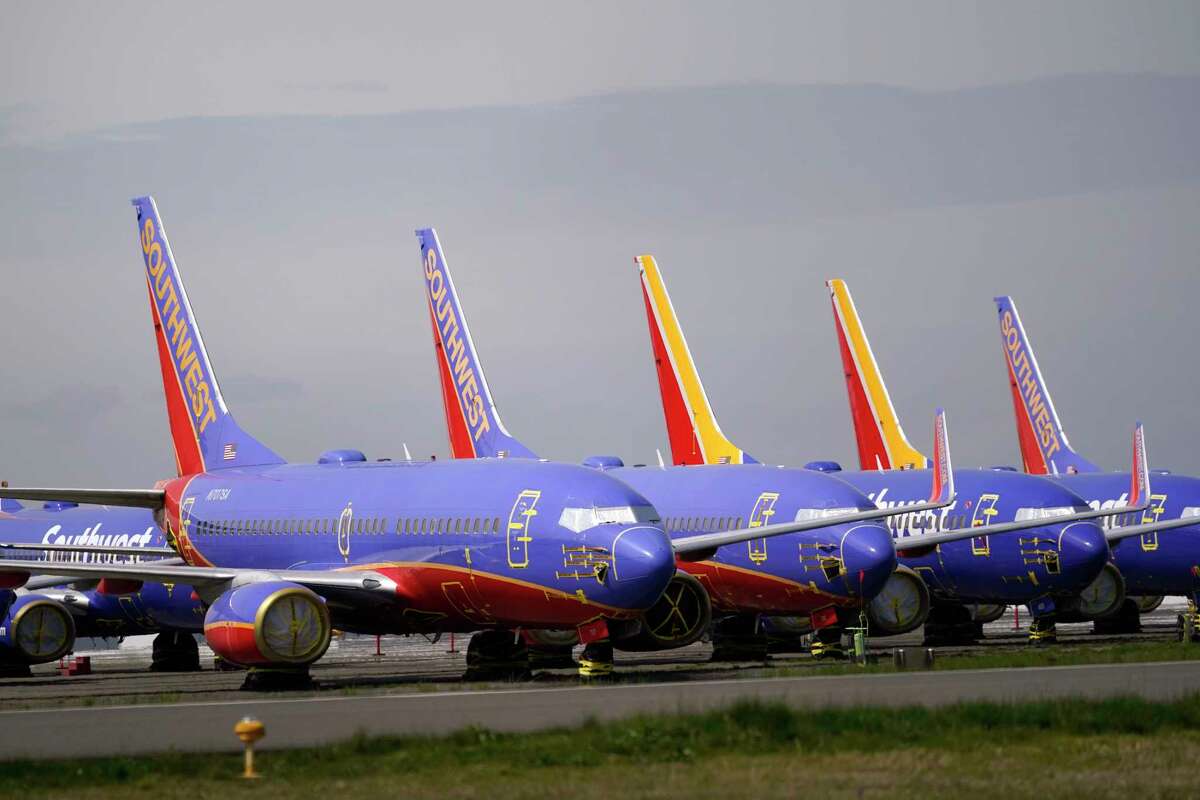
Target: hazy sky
<point>933,154</point>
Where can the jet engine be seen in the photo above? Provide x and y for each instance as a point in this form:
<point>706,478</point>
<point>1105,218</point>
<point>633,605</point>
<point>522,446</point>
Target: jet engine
<point>1102,597</point>
<point>273,623</point>
<point>901,606</point>
<point>35,629</point>
<point>679,617</point>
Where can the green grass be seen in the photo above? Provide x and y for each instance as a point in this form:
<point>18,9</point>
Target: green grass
<point>1017,656</point>
<point>1104,748</point>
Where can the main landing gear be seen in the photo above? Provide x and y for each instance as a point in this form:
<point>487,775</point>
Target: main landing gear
<point>951,624</point>
<point>497,655</point>
<point>278,679</point>
<point>1126,619</point>
<point>175,651</point>
<point>737,638</point>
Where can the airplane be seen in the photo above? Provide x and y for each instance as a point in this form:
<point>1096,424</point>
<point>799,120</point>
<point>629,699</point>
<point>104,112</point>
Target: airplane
<point>824,574</point>
<point>42,622</point>
<point>281,552</point>
<point>1151,566</point>
<point>881,441</point>
<point>1062,552</point>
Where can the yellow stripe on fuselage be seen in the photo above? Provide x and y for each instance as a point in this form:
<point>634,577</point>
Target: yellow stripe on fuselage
<point>715,448</point>
<point>900,452</point>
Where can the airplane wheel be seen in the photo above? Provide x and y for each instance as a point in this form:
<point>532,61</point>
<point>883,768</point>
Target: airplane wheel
<point>497,655</point>
<point>175,651</point>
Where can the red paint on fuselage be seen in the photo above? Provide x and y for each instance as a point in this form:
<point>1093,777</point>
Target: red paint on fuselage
<point>741,589</point>
<point>468,600</point>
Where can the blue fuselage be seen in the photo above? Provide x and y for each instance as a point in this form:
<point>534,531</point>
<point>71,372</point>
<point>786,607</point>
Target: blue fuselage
<point>791,573</point>
<point>1152,564</point>
<point>153,608</point>
<point>470,544</point>
<point>1007,568</point>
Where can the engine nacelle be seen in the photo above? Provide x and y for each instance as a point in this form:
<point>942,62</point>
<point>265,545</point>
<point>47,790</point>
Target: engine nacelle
<point>1146,602</point>
<point>901,606</point>
<point>984,613</point>
<point>1103,597</point>
<point>679,617</point>
<point>35,629</point>
<point>273,623</point>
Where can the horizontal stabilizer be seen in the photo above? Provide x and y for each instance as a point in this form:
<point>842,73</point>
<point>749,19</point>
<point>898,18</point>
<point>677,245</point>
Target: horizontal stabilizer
<point>127,498</point>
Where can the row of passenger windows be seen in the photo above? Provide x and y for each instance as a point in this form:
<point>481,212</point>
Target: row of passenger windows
<point>368,526</point>
<point>702,523</point>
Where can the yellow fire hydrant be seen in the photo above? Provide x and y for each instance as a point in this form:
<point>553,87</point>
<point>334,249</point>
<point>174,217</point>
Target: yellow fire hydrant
<point>249,730</point>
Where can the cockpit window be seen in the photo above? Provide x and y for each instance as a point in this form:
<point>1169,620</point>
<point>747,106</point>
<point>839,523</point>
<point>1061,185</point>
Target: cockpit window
<point>581,519</point>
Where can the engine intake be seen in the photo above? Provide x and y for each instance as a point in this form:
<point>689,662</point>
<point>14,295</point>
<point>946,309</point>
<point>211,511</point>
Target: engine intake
<point>679,617</point>
<point>901,606</point>
<point>36,629</point>
<point>271,623</point>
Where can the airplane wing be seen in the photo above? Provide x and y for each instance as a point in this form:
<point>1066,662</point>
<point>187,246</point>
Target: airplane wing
<point>941,495</point>
<point>155,572</point>
<point>1125,531</point>
<point>86,548</point>
<point>129,498</point>
<point>1139,500</point>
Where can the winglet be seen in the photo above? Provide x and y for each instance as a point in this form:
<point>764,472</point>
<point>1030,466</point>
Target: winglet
<point>205,434</point>
<point>1139,470</point>
<point>882,443</point>
<point>472,421</point>
<point>1044,446</point>
<point>943,469</point>
<point>692,428</point>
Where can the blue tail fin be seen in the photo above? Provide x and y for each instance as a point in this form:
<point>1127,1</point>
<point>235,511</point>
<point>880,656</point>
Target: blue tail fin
<point>472,421</point>
<point>204,432</point>
<point>1044,445</point>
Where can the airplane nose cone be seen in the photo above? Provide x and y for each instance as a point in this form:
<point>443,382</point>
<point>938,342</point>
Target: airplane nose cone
<point>870,558</point>
<point>1082,553</point>
<point>642,565</point>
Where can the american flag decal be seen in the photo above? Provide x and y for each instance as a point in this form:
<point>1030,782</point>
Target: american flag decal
<point>230,452</point>
<point>723,460</point>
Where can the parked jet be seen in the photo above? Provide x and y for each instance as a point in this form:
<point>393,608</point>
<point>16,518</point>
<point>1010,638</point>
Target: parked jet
<point>65,532</point>
<point>1151,566</point>
<point>1062,551</point>
<point>881,442</point>
<point>824,575</point>
<point>279,553</point>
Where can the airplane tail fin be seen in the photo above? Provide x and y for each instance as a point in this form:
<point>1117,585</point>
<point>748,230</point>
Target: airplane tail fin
<point>472,421</point>
<point>1044,445</point>
<point>692,428</point>
<point>205,434</point>
<point>881,440</point>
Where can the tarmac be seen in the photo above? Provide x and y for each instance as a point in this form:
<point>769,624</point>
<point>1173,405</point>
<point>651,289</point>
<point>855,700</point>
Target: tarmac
<point>414,686</point>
